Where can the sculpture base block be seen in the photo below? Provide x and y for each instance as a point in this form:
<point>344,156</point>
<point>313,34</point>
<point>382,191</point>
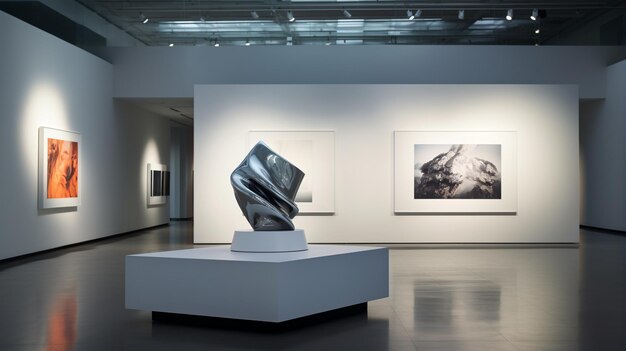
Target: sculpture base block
<point>353,311</point>
<point>269,241</point>
<point>265,287</point>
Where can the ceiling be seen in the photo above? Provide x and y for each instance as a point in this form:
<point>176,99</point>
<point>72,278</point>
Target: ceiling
<point>198,22</point>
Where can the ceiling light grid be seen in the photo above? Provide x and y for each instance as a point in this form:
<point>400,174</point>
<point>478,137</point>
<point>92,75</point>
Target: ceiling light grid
<point>270,19</point>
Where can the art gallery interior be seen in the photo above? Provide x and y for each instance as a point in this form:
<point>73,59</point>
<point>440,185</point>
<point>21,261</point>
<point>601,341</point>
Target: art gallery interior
<point>463,168</point>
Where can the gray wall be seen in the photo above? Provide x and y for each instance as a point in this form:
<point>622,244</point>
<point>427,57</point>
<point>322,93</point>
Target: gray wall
<point>172,72</point>
<point>603,144</point>
<point>48,82</point>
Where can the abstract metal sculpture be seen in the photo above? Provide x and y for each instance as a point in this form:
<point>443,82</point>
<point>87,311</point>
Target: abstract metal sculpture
<point>265,187</point>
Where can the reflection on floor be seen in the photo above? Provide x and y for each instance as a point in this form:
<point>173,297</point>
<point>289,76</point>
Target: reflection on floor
<point>440,299</point>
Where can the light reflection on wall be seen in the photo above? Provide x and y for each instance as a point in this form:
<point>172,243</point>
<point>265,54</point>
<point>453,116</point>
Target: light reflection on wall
<point>44,107</point>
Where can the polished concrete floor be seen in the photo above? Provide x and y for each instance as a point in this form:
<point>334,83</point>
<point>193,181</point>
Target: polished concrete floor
<point>450,298</point>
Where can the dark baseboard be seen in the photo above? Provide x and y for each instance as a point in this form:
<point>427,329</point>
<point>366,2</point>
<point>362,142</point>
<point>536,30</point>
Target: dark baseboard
<point>356,311</point>
<point>603,230</point>
<point>181,219</point>
<point>69,246</point>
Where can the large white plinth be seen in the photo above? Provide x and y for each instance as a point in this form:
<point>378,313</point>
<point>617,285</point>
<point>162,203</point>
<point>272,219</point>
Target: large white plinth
<point>269,287</point>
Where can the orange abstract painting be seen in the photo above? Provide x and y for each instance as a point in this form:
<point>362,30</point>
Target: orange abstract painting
<point>62,169</point>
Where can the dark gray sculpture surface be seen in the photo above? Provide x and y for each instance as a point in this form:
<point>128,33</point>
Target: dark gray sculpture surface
<point>265,187</point>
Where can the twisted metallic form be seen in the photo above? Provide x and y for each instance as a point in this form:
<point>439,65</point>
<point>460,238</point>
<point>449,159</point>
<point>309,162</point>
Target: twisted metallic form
<point>265,187</point>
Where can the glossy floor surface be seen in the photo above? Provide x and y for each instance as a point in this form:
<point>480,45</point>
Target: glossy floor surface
<point>451,298</point>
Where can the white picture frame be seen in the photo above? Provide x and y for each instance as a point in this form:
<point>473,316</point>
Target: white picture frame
<point>314,153</point>
<point>158,189</point>
<point>406,144</point>
<point>59,168</point>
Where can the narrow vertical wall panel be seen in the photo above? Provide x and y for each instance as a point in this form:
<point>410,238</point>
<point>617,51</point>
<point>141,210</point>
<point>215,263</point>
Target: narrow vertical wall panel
<point>181,159</point>
<point>603,143</point>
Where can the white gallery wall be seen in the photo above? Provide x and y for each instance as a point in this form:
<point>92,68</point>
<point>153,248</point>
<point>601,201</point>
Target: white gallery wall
<point>364,118</point>
<point>602,145</point>
<point>47,82</point>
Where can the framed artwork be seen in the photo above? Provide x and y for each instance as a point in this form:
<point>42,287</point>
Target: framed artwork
<point>59,168</point>
<point>455,172</point>
<point>314,153</point>
<point>158,184</point>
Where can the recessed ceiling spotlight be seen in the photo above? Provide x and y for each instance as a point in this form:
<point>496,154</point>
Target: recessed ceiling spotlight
<point>171,44</point>
<point>509,14</point>
<point>461,14</point>
<point>247,42</point>
<point>290,16</point>
<point>410,15</point>
<point>254,15</point>
<point>217,43</point>
<point>534,15</point>
<point>537,31</point>
<point>143,18</point>
<point>347,14</point>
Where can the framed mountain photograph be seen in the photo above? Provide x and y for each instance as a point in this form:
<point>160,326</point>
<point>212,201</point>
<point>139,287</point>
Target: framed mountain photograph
<point>455,172</point>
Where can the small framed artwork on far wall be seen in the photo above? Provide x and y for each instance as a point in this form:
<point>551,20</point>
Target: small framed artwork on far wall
<point>158,184</point>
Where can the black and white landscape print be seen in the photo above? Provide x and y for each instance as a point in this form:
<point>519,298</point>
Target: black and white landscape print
<point>459,171</point>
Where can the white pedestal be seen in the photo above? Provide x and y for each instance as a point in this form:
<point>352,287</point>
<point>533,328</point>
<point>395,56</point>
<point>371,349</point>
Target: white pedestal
<point>269,241</point>
<point>270,287</point>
